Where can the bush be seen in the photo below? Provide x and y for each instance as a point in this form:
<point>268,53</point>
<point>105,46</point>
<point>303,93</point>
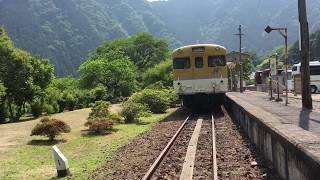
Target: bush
<point>50,128</point>
<point>157,101</point>
<point>115,117</point>
<point>172,96</point>
<point>70,100</point>
<point>160,74</point>
<point>99,126</point>
<point>100,110</point>
<point>99,93</point>
<point>36,108</point>
<point>51,108</point>
<point>131,111</point>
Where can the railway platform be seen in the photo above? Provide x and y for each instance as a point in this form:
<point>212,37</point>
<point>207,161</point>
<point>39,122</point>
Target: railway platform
<point>288,136</point>
<point>292,114</point>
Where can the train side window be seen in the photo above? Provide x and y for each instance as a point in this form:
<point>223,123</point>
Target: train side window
<point>181,63</point>
<point>199,62</point>
<point>215,61</point>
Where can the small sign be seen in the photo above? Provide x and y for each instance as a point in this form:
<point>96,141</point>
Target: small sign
<point>61,162</point>
<point>198,49</point>
<point>273,66</point>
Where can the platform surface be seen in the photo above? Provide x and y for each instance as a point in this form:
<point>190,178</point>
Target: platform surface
<point>291,114</point>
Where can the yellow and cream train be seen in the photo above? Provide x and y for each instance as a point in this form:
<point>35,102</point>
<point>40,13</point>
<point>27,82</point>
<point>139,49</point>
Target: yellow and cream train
<point>200,73</point>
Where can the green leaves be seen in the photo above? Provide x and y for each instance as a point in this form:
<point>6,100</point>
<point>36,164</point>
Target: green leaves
<point>66,31</point>
<point>117,73</point>
<point>23,76</point>
<point>160,73</point>
<point>143,49</point>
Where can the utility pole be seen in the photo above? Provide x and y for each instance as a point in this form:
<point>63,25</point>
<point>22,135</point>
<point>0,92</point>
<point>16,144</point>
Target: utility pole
<point>286,63</point>
<point>305,56</point>
<point>240,58</point>
<point>270,81</point>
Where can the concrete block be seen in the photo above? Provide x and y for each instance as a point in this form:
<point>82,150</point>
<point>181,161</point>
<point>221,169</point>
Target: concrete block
<point>279,158</point>
<point>249,127</point>
<point>268,146</point>
<point>255,133</point>
<point>295,168</point>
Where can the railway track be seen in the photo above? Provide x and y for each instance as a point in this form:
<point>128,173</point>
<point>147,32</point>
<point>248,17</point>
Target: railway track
<point>191,152</point>
<point>184,158</point>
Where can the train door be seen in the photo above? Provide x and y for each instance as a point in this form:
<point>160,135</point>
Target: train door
<point>197,72</point>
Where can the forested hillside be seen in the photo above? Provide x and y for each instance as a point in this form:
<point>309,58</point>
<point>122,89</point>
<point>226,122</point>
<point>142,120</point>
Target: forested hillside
<point>217,21</point>
<point>66,31</point>
<point>294,54</point>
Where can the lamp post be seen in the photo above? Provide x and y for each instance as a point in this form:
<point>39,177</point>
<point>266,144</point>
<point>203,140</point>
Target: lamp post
<point>284,34</point>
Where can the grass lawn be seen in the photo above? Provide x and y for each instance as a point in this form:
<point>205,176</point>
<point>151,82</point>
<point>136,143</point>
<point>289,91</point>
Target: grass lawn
<point>85,153</point>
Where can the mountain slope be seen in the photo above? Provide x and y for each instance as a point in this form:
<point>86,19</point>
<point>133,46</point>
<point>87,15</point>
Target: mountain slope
<point>216,21</point>
<point>66,31</point>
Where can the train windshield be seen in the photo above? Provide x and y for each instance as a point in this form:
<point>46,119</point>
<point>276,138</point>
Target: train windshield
<point>181,63</point>
<point>216,61</point>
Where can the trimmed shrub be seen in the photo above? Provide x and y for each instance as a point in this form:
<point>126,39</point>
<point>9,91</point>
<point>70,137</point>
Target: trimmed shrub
<point>131,111</point>
<point>99,126</point>
<point>50,128</point>
<point>98,120</point>
<point>100,110</point>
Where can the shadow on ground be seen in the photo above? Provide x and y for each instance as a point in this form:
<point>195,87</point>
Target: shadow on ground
<point>87,133</point>
<point>41,142</point>
<point>23,119</point>
<point>304,119</point>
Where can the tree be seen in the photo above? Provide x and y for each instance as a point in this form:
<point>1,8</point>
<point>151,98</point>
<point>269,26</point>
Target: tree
<point>315,46</point>
<point>2,107</point>
<point>117,74</point>
<point>23,76</point>
<point>65,93</point>
<point>161,73</point>
<point>143,49</point>
<point>294,52</point>
<point>279,50</point>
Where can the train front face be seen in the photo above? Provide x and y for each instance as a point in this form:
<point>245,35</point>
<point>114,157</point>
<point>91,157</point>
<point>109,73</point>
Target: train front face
<point>200,74</point>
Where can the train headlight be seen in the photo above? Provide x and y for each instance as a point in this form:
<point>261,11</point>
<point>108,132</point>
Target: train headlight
<point>179,84</point>
<point>221,81</point>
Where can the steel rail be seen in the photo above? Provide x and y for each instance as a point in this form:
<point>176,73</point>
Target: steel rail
<point>163,153</point>
<point>214,151</point>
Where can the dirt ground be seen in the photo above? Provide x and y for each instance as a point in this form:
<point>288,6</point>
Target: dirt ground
<point>15,134</point>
